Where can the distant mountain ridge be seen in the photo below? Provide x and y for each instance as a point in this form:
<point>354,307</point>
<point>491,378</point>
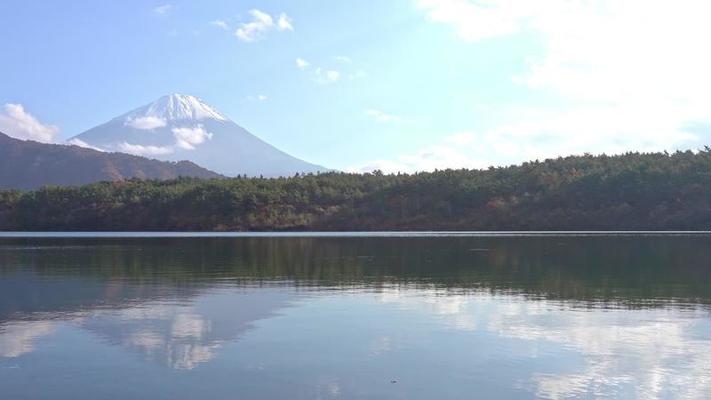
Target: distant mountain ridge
<point>183,127</point>
<point>30,165</point>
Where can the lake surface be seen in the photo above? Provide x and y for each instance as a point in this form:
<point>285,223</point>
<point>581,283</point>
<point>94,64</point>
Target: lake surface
<point>355,317</point>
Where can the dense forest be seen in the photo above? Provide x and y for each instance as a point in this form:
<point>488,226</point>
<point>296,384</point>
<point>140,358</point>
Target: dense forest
<point>634,191</point>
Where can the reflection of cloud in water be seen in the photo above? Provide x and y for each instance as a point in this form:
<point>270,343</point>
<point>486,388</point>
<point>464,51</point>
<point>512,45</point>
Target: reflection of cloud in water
<point>451,308</point>
<point>18,338</point>
<point>167,333</point>
<point>184,335</point>
<point>649,353</point>
<point>380,345</point>
<point>653,350</point>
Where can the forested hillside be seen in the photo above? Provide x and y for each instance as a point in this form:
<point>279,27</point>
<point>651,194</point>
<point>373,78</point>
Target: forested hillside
<point>634,191</point>
<point>25,164</point>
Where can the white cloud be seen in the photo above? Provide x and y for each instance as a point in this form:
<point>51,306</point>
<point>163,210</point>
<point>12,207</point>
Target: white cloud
<point>259,97</point>
<point>220,24</point>
<point>18,123</point>
<point>302,64</point>
<point>163,9</point>
<point>541,135</point>
<point>324,76</point>
<point>185,138</point>
<point>427,159</point>
<point>386,166</point>
<point>141,150</point>
<point>629,74</point>
<point>381,116</point>
<point>188,138</point>
<point>284,23</point>
<point>476,20</point>
<point>261,24</point>
<point>81,143</point>
<point>146,123</point>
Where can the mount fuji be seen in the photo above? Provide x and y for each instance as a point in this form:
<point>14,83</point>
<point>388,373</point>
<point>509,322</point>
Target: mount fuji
<point>182,127</point>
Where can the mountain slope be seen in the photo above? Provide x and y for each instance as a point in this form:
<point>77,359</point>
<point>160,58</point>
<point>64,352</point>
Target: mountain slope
<point>29,165</point>
<point>182,127</point>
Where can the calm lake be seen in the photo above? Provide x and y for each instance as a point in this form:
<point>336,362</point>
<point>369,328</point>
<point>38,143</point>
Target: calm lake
<point>355,317</point>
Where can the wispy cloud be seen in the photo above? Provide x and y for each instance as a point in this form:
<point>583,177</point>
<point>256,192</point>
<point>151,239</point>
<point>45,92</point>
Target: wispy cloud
<point>141,150</point>
<point>261,24</point>
<point>220,24</point>
<point>326,76</point>
<point>188,138</point>
<point>259,97</point>
<point>81,143</point>
<point>540,136</point>
<point>20,124</point>
<point>284,23</point>
<point>301,63</point>
<point>381,116</point>
<point>162,9</point>
<point>479,20</point>
<point>427,159</point>
<point>146,123</point>
<point>613,99</point>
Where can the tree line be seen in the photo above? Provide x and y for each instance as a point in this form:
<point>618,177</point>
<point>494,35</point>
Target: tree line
<point>632,191</point>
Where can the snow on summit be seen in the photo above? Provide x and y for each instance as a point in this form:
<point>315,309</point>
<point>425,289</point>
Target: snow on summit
<point>174,107</point>
<point>183,127</point>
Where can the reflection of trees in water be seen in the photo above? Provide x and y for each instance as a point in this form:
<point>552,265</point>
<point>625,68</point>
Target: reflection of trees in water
<point>178,302</point>
<point>633,270</point>
<point>62,278</point>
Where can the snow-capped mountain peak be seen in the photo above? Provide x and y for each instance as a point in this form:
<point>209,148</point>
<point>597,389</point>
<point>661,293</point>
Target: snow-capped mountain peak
<point>182,127</point>
<point>174,107</point>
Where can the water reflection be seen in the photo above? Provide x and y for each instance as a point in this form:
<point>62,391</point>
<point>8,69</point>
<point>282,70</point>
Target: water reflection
<point>362,317</point>
<point>18,337</point>
<point>180,327</point>
<point>183,335</point>
<point>652,353</point>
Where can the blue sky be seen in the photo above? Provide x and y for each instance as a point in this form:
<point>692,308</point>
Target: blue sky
<point>397,85</point>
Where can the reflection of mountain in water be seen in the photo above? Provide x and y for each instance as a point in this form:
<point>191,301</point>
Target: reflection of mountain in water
<point>523,317</point>
<point>178,301</point>
<point>183,335</point>
<point>180,327</point>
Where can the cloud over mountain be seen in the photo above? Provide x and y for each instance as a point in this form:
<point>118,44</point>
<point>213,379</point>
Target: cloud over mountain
<point>182,127</point>
<point>20,124</point>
